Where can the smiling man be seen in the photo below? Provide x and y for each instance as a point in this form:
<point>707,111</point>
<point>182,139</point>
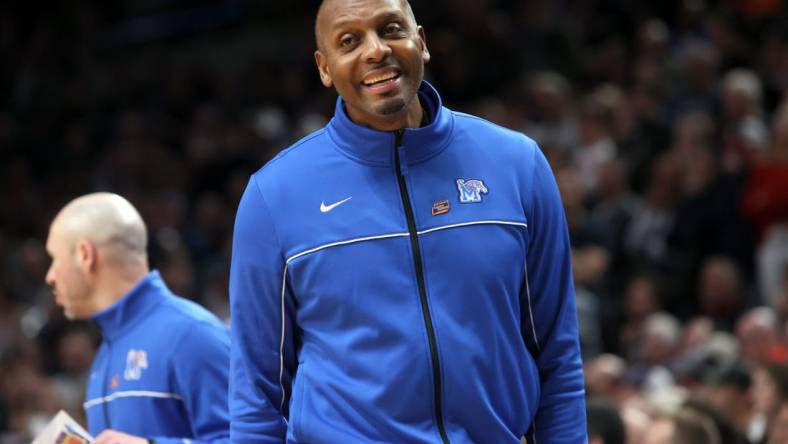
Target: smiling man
<point>378,79</point>
<point>160,373</point>
<point>402,275</point>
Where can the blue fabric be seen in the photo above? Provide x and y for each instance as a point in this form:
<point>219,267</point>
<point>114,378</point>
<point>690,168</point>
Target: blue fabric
<point>329,342</point>
<point>161,371</point>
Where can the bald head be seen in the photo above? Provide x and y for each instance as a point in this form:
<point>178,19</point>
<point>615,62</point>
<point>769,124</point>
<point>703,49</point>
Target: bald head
<point>98,248</point>
<point>329,8</point>
<point>108,221</point>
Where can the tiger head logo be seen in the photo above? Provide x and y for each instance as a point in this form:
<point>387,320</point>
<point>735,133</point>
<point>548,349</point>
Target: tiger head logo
<point>471,190</point>
<point>136,362</point>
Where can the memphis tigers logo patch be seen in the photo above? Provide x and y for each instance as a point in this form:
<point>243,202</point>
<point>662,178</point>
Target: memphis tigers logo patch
<point>136,361</point>
<point>471,190</point>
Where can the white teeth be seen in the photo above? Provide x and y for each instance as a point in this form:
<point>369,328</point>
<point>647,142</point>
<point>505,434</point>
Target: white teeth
<point>378,79</point>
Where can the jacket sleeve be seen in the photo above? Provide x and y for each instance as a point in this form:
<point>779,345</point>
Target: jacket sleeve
<point>549,315</point>
<point>200,374</point>
<point>262,357</point>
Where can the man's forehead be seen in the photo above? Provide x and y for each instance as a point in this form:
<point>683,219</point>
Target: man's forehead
<point>67,225</point>
<point>334,13</point>
<point>54,235</point>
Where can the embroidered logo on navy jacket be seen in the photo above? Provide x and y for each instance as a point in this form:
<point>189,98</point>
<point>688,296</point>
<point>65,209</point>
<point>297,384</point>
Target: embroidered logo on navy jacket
<point>136,361</point>
<point>471,190</point>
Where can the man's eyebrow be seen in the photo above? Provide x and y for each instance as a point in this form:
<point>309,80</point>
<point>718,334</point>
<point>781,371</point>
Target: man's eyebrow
<point>379,17</point>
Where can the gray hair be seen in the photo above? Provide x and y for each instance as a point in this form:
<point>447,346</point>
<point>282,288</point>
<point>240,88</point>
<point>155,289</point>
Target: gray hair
<point>109,221</point>
<point>743,81</point>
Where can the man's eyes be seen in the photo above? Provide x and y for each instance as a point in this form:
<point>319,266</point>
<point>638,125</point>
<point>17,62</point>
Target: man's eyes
<point>346,40</point>
<point>392,28</point>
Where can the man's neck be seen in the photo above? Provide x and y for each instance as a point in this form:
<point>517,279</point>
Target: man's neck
<point>117,285</point>
<point>416,115</point>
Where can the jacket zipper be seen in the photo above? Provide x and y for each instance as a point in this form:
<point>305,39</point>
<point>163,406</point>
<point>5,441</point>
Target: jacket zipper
<point>104,403</point>
<point>425,307</point>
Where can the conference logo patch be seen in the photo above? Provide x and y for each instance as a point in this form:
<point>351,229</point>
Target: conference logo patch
<point>136,362</point>
<point>471,190</point>
<point>440,207</point>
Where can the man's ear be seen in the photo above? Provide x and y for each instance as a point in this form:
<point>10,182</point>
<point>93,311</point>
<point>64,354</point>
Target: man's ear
<point>86,255</point>
<point>425,53</point>
<point>322,68</point>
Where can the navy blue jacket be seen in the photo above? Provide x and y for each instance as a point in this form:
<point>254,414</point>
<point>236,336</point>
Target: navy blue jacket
<point>405,287</point>
<point>161,370</point>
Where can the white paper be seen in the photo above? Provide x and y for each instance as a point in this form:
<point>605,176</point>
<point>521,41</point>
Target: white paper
<point>62,429</point>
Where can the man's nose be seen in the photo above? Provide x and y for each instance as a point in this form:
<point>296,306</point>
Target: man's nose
<point>50,277</point>
<point>376,49</point>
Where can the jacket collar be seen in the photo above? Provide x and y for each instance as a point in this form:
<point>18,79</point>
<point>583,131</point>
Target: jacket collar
<point>134,306</point>
<point>377,147</point>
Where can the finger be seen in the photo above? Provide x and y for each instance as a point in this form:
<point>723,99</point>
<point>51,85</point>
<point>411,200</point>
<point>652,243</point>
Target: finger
<point>105,437</point>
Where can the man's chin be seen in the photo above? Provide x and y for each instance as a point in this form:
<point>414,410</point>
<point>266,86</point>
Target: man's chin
<point>390,107</point>
<point>71,316</point>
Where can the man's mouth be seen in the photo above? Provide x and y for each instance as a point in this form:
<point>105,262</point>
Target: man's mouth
<point>376,80</point>
<point>380,77</point>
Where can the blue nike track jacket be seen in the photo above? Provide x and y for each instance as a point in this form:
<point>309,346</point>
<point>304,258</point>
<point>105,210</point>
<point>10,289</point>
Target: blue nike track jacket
<point>161,370</point>
<point>407,287</point>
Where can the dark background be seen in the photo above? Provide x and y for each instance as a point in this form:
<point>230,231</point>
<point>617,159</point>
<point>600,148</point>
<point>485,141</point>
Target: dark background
<point>675,190</point>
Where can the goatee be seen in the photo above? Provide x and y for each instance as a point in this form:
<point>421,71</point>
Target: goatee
<point>392,106</point>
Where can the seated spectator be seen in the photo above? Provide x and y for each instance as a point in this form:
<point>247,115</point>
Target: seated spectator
<point>778,431</point>
<point>729,392</point>
<point>641,300</point>
<point>720,291</point>
<point>604,376</point>
<point>687,426</point>
<point>769,392</point>
<point>651,370</point>
<point>746,134</point>
<point>605,425</point>
<point>758,336</point>
<point>765,202</point>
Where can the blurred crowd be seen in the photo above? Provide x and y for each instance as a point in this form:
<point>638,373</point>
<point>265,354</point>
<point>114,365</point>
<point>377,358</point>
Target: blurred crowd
<point>666,124</point>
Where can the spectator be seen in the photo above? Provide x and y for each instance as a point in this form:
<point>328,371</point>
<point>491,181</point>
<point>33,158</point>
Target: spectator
<point>745,133</point>
<point>769,392</point>
<point>778,431</point>
<point>765,202</point>
<point>660,340</point>
<point>604,423</point>
<point>758,335</point>
<point>729,392</point>
<point>642,299</point>
<point>720,291</point>
<point>686,426</point>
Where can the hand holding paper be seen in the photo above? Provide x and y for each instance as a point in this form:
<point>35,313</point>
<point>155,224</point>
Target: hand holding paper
<point>114,437</point>
<point>63,429</point>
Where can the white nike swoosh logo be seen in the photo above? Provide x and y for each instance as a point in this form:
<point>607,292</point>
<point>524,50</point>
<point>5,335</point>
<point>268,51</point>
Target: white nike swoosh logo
<point>326,208</point>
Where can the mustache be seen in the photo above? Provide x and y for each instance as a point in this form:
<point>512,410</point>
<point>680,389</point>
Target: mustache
<point>386,63</point>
